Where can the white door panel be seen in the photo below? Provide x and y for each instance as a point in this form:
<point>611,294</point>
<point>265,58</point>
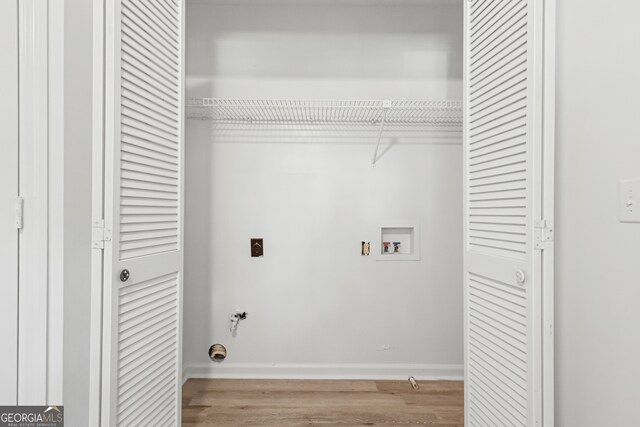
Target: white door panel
<point>504,204</point>
<point>141,383</point>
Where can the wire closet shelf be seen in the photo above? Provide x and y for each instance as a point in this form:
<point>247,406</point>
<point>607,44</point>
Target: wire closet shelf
<point>441,114</point>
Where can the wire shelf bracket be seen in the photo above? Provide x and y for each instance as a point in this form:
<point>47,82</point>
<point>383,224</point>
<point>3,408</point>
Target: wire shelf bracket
<point>386,104</point>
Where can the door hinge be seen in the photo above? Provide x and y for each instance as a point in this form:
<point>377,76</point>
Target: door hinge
<point>99,234</point>
<point>19,212</point>
<point>543,234</point>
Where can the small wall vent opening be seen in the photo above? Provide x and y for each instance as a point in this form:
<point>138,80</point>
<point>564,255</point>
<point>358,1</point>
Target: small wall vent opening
<point>217,352</point>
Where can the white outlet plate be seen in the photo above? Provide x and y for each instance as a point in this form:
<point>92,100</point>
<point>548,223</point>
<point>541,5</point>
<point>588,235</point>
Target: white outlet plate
<point>629,200</point>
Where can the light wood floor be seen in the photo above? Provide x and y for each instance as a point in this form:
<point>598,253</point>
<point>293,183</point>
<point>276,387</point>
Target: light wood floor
<point>208,402</point>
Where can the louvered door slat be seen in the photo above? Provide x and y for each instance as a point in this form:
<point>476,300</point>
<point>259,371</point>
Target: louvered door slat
<point>147,150</point>
<point>505,43</point>
<point>508,168</point>
<point>147,13</point>
<point>147,77</point>
<point>501,164</point>
<point>141,124</point>
<point>148,88</point>
<point>141,88</point>
<point>504,100</point>
<point>514,134</point>
<point>497,227</point>
<point>136,137</point>
<point>134,43</point>
<point>488,62</point>
<point>483,11</point>
<point>149,160</point>
<point>149,171</point>
<point>503,145</point>
<point>137,13</point>
<point>512,60</point>
<point>166,14</point>
<point>159,16</point>
<point>502,91</point>
<point>147,144</point>
<point>514,397</point>
<point>133,188</point>
<point>499,156</point>
<point>147,220</point>
<point>133,179</point>
<point>151,195</point>
<point>172,7</point>
<point>511,20</point>
<point>165,317</point>
<point>155,117</point>
<point>497,186</point>
<point>143,361</point>
<point>146,225</point>
<point>485,92</point>
<point>136,62</point>
<point>512,360</point>
<point>497,403</point>
<point>497,121</point>
<point>500,235</point>
<point>509,365</point>
<point>501,203</point>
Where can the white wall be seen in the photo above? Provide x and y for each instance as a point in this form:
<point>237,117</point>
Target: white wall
<point>330,52</point>
<point>597,281</point>
<point>77,208</point>
<point>313,299</point>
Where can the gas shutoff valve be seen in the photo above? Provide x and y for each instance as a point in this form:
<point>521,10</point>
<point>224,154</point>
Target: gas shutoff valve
<point>236,318</point>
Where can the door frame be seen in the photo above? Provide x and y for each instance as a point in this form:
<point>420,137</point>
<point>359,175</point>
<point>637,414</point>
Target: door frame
<point>40,169</point>
<point>548,132</point>
<point>548,192</point>
<point>9,191</point>
<point>97,213</point>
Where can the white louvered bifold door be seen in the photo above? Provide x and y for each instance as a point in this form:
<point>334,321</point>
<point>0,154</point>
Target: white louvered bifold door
<point>143,213</point>
<point>504,224</point>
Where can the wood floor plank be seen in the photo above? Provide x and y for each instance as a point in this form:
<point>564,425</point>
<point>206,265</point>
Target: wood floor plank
<point>223,402</point>
<point>280,385</point>
<point>287,399</point>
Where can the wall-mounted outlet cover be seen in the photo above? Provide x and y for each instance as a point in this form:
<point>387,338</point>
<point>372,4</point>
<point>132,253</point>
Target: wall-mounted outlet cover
<point>629,204</point>
<point>257,248</point>
<point>365,249</point>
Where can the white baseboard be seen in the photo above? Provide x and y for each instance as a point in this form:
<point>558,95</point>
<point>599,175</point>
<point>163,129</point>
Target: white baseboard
<point>325,372</point>
<point>185,373</point>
